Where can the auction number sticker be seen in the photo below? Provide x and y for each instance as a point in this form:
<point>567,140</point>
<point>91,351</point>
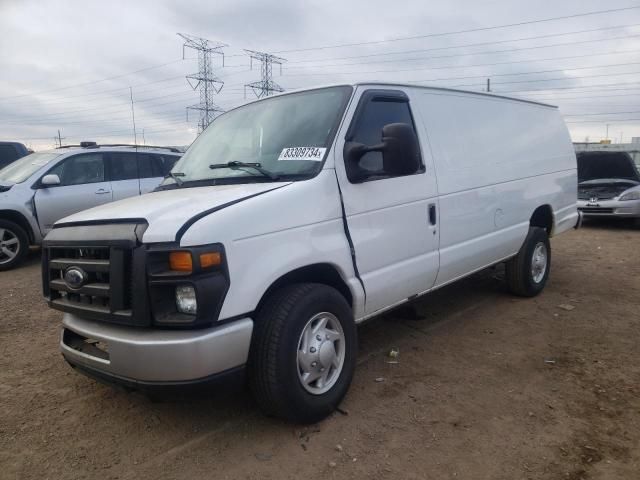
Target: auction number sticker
<point>314,154</point>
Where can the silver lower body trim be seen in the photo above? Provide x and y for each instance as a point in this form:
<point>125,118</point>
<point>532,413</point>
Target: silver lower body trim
<point>152,355</point>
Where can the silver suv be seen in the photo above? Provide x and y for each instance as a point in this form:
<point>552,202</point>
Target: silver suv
<point>41,188</point>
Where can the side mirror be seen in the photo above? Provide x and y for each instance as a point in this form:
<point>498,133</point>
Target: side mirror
<point>400,152</point>
<point>50,180</point>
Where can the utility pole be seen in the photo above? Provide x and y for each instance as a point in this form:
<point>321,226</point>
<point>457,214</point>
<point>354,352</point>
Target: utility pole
<point>59,139</point>
<point>133,118</point>
<point>265,86</point>
<point>208,83</point>
<point>488,84</point>
<point>607,137</point>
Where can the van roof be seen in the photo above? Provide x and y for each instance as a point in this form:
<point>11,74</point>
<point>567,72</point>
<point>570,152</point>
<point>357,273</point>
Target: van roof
<point>425,87</point>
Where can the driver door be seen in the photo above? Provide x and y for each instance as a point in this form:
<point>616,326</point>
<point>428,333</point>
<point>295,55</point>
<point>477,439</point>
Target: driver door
<point>392,220</point>
<point>83,184</point>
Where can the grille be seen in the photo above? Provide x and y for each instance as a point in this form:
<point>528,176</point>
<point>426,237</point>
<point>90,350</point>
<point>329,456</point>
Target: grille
<point>604,192</point>
<point>106,293</point>
<point>595,210</point>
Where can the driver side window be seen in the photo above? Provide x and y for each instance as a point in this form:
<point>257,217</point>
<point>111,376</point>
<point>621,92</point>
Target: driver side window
<point>372,115</point>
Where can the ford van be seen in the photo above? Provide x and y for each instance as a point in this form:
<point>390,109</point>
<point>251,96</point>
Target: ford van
<point>293,219</point>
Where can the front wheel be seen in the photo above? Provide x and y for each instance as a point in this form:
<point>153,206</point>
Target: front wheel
<point>528,271</point>
<point>14,245</point>
<point>303,352</point>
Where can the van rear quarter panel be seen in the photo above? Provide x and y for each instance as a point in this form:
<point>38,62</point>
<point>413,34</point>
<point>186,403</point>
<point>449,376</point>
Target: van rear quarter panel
<point>496,161</point>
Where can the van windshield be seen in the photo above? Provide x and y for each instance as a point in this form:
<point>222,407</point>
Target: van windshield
<point>23,168</point>
<point>281,138</point>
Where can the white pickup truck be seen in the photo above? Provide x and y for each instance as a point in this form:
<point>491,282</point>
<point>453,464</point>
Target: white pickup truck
<point>294,218</point>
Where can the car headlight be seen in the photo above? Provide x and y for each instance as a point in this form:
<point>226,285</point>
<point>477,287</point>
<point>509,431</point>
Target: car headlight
<point>635,195</point>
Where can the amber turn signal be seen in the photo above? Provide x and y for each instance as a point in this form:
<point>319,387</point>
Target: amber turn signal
<point>180,261</point>
<point>212,259</point>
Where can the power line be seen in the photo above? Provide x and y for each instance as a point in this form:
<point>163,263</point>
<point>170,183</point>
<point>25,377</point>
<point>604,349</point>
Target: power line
<point>402,60</point>
<point>457,32</point>
<point>93,81</point>
<point>492,75</point>
<point>600,113</point>
<point>549,79</point>
<point>402,52</point>
<point>624,120</point>
<point>444,67</point>
<point>572,88</point>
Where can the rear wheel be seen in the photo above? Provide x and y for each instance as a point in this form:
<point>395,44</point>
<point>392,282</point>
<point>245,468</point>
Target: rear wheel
<point>303,352</point>
<point>528,271</point>
<point>14,244</point>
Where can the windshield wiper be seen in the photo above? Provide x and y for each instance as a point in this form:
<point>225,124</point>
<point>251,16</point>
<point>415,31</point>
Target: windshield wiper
<point>176,176</point>
<point>256,166</point>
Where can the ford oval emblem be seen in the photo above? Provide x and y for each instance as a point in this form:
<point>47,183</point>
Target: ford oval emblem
<point>75,277</point>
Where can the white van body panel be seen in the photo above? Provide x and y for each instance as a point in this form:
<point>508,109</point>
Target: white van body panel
<point>496,161</point>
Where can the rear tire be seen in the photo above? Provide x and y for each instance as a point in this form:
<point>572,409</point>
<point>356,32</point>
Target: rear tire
<point>14,245</point>
<point>528,271</point>
<point>301,329</point>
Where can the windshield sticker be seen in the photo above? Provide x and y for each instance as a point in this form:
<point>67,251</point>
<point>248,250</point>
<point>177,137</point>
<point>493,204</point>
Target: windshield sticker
<point>315,154</point>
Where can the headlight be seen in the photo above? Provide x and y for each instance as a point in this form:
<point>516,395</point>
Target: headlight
<point>186,299</point>
<point>186,285</point>
<point>635,195</point>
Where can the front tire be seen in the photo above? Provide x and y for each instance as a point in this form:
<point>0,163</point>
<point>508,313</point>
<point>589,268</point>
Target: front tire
<point>14,245</point>
<point>528,271</point>
<point>303,352</point>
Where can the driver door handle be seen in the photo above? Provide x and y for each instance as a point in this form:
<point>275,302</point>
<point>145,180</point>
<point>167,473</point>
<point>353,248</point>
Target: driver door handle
<point>432,214</point>
<point>102,191</point>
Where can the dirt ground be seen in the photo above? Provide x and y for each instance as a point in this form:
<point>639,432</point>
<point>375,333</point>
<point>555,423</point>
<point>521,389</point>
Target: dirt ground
<point>488,386</point>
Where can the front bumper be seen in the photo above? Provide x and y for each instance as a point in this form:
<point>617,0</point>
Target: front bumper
<point>146,356</point>
<point>610,208</point>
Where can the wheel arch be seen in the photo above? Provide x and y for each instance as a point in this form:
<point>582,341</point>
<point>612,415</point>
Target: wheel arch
<point>543,217</point>
<point>20,220</point>
<point>324,273</point>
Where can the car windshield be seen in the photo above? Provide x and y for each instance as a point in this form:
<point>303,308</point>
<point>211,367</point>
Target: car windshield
<point>23,168</point>
<point>286,137</point>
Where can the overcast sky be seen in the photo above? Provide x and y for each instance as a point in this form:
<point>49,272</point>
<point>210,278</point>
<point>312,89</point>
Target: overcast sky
<point>68,65</point>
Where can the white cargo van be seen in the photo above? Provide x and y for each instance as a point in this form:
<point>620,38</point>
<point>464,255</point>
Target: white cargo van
<point>294,218</point>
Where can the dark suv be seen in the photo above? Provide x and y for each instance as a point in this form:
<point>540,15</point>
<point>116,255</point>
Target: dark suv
<point>11,151</point>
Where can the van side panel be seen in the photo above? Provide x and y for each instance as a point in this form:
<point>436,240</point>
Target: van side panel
<point>496,161</point>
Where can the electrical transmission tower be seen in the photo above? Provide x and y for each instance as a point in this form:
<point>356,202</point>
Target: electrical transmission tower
<point>208,83</point>
<point>265,86</point>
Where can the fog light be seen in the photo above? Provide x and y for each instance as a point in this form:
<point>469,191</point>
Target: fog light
<point>186,299</point>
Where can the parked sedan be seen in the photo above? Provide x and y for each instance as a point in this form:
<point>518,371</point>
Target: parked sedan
<point>43,187</point>
<point>608,185</point>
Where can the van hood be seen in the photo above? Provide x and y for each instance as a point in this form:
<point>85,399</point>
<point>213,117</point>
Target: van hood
<point>167,212</point>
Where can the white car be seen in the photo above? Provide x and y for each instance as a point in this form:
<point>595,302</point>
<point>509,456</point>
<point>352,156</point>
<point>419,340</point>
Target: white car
<point>608,185</point>
<point>295,218</point>
<point>43,187</point>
